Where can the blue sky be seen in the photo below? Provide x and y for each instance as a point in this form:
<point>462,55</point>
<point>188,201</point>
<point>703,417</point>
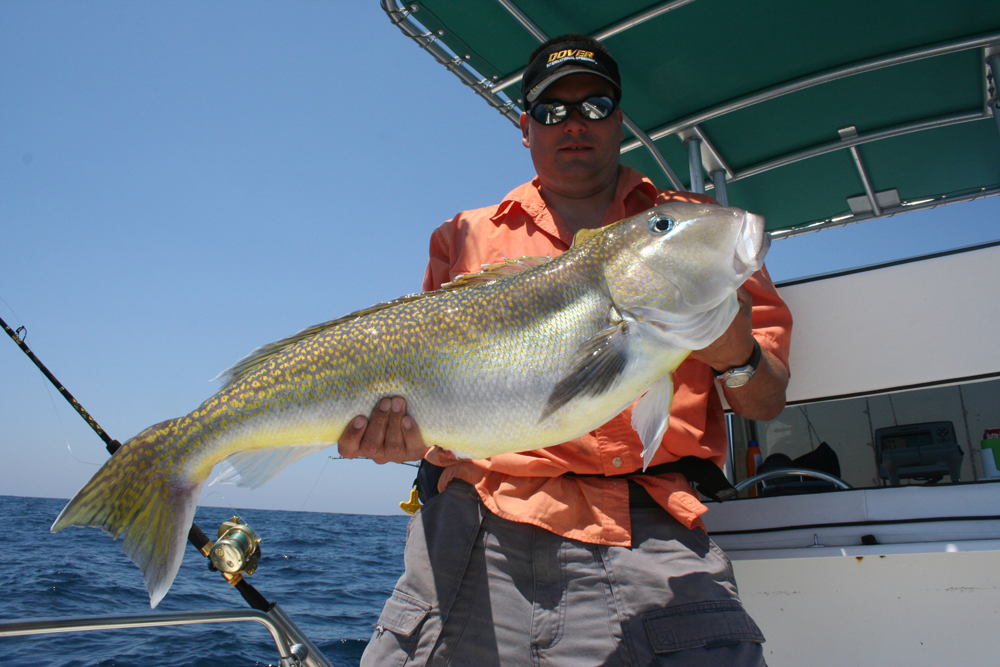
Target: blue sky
<point>181,182</point>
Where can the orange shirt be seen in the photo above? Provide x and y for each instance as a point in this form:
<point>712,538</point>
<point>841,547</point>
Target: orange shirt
<point>530,487</point>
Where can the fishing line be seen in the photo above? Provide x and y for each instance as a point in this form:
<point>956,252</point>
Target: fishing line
<point>328,459</point>
<point>365,458</point>
<point>196,537</point>
<point>20,335</point>
<point>62,426</point>
<point>225,501</point>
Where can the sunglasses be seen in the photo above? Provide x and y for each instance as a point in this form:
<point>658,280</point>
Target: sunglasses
<point>592,108</point>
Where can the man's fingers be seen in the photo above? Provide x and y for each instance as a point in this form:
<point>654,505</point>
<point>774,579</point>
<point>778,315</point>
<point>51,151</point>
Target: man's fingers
<point>349,444</point>
<point>415,447</point>
<point>395,447</point>
<point>372,443</point>
<point>389,434</point>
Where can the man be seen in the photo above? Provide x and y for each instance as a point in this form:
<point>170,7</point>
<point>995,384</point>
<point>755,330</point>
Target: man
<point>546,557</point>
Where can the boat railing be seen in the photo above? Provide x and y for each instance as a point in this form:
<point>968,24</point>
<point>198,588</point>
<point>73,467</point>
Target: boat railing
<point>294,648</point>
<point>792,472</point>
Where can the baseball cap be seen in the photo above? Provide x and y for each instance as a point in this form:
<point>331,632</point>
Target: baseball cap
<point>565,57</point>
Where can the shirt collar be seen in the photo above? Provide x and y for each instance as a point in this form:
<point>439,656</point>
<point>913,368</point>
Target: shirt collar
<point>528,198</point>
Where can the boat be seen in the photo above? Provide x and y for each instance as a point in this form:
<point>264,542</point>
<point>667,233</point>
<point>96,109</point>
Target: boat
<point>815,116</point>
<point>819,115</point>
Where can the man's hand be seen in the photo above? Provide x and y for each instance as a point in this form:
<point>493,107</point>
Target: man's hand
<point>763,397</point>
<point>734,347</point>
<point>388,435</point>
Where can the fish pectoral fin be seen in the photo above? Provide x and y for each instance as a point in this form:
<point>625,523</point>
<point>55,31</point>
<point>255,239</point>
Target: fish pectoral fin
<point>256,467</point>
<point>598,364</point>
<point>651,416</point>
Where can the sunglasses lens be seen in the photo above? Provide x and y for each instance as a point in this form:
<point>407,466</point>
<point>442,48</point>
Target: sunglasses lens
<point>592,108</point>
<point>596,108</point>
<point>549,114</point>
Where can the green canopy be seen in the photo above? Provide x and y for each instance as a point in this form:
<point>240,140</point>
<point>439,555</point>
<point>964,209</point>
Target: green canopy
<point>809,113</point>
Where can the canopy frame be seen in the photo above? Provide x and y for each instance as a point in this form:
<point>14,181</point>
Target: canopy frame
<point>706,156</point>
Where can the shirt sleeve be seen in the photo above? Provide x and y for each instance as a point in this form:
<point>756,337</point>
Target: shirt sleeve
<point>771,319</point>
<point>440,258</point>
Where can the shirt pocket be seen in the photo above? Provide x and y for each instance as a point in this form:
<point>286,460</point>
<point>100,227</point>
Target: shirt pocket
<point>700,625</point>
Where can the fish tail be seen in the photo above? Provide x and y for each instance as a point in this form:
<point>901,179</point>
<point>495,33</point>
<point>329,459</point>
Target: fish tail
<point>136,494</point>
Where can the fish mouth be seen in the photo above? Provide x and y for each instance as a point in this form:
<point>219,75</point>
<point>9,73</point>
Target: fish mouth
<point>752,244</point>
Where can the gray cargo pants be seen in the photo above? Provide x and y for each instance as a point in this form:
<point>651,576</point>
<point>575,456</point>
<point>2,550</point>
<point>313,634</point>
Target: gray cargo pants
<point>479,590</point>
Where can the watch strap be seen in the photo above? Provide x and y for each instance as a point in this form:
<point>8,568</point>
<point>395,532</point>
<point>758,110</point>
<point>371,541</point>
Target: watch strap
<point>749,368</point>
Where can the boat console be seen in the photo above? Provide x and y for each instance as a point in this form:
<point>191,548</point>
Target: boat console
<point>926,451</point>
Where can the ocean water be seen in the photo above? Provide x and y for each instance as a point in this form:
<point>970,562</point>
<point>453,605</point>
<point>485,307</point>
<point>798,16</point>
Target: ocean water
<point>331,573</point>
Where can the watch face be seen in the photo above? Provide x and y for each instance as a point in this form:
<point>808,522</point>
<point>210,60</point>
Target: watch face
<point>737,378</point>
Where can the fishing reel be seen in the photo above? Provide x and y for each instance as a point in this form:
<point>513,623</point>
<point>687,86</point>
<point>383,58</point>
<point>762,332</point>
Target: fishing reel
<point>237,551</point>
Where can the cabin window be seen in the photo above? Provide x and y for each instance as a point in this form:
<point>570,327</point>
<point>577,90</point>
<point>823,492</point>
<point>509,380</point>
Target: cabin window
<point>921,435</point>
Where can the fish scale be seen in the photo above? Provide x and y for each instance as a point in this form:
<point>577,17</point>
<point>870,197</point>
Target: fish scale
<point>528,354</point>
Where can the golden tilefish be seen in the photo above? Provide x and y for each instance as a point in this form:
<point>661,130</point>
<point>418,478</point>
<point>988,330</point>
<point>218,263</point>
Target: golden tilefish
<point>527,354</point>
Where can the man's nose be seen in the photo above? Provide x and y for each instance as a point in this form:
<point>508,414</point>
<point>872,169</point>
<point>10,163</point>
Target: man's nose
<point>575,122</point>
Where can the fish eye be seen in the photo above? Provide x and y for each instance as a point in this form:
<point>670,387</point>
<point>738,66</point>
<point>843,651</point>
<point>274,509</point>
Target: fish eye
<point>660,224</point>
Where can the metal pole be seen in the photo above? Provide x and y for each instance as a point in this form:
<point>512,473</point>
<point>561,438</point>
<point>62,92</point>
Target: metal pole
<point>719,180</point>
<point>850,133</point>
<point>858,139</point>
<point>402,17</point>
<point>921,205</point>
<point>654,152</point>
<point>694,162</point>
<point>861,67</point>
<point>994,64</point>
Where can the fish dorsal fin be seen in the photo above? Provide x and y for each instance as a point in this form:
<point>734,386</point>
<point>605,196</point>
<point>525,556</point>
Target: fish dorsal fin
<point>492,272</point>
<point>267,352</point>
<point>489,273</point>
<point>585,235</point>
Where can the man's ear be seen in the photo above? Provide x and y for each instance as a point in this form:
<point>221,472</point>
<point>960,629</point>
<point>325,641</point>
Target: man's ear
<point>524,130</point>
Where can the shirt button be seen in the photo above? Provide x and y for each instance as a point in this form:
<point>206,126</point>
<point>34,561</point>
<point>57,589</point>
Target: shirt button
<point>616,462</point>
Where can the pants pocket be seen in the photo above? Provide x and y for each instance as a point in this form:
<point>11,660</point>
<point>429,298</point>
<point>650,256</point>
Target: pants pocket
<point>439,539</point>
<point>396,632</point>
<point>700,625</point>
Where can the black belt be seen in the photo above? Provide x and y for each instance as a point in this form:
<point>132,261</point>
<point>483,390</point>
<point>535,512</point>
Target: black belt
<point>702,472</point>
<point>706,475</point>
<point>638,496</point>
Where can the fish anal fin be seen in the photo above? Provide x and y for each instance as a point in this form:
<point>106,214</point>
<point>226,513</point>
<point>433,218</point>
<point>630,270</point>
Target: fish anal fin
<point>597,365</point>
<point>651,416</point>
<point>255,467</point>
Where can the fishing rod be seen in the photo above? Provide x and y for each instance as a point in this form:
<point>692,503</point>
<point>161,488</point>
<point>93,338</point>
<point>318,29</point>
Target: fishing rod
<point>237,545</point>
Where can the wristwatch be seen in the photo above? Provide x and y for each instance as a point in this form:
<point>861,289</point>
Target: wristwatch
<point>740,375</point>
